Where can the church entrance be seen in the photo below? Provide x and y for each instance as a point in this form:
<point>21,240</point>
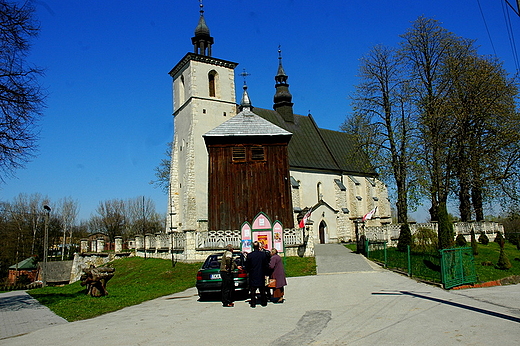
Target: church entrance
<point>322,228</point>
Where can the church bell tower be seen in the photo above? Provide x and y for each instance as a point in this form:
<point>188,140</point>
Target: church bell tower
<point>203,98</point>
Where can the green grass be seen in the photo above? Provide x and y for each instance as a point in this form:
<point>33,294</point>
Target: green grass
<point>351,246</point>
<point>490,253</point>
<point>300,266</point>
<point>486,254</point>
<point>137,280</point>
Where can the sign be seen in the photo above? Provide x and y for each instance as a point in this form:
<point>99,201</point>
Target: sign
<point>264,237</point>
<point>246,244</point>
<point>278,236</point>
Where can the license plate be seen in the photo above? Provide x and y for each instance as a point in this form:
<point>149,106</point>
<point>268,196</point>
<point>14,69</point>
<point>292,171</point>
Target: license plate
<point>214,276</point>
<point>236,283</point>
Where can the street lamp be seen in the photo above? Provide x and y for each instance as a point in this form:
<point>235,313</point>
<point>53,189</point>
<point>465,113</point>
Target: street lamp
<point>45,244</point>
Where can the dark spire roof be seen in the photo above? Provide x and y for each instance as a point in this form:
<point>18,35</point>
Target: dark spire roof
<point>202,40</point>
<point>282,98</point>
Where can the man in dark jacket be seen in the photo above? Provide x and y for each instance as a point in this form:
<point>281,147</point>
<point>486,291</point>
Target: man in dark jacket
<point>256,265</point>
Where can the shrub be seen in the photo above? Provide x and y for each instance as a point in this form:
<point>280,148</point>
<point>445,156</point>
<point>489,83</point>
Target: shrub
<point>483,238</point>
<point>460,240</point>
<point>425,240</point>
<point>499,238</point>
<point>405,237</point>
<point>474,245</point>
<point>503,261</point>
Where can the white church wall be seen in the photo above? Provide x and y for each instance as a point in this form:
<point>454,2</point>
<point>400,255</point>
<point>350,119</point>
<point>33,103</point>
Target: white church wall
<point>197,115</point>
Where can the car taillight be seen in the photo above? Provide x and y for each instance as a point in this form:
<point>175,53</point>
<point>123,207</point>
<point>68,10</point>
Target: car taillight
<point>242,273</point>
<point>199,276</point>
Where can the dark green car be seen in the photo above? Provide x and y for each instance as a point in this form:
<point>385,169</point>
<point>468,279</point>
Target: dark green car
<point>209,280</point>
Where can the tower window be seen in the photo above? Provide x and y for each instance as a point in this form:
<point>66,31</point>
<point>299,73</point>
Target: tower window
<point>212,80</point>
<point>239,153</point>
<point>257,153</point>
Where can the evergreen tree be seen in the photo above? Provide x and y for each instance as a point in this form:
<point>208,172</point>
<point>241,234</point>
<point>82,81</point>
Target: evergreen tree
<point>405,237</point>
<point>474,244</point>
<point>460,240</point>
<point>503,260</point>
<point>445,228</point>
<point>483,238</point>
<point>499,238</point>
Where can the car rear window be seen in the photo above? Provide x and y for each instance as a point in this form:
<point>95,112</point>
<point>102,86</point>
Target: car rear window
<point>213,261</point>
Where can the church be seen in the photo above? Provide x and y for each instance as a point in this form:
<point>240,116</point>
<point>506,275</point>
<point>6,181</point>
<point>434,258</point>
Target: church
<point>232,161</point>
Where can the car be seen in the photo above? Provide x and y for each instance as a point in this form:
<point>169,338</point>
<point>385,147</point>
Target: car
<point>208,277</point>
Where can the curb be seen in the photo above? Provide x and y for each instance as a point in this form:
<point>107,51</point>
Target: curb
<point>483,284</point>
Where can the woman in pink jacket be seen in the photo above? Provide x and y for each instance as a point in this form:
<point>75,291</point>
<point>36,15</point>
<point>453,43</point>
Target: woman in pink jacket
<point>279,275</point>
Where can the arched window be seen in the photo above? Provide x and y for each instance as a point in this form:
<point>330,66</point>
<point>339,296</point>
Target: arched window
<point>319,190</point>
<point>212,82</point>
<point>181,92</point>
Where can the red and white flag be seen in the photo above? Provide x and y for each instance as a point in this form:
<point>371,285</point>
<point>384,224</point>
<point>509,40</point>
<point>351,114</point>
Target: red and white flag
<point>369,215</point>
<point>304,220</point>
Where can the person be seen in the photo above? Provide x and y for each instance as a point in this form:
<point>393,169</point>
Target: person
<point>227,265</point>
<point>256,265</point>
<point>278,274</point>
<point>268,271</point>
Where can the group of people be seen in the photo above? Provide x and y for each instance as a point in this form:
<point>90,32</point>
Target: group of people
<point>266,272</point>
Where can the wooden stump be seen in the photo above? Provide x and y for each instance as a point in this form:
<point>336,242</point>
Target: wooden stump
<point>96,280</point>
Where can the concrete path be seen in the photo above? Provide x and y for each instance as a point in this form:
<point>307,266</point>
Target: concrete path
<point>20,314</point>
<point>355,307</point>
<point>336,258</point>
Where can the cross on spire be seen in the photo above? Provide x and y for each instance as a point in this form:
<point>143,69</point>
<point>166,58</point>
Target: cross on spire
<point>245,74</point>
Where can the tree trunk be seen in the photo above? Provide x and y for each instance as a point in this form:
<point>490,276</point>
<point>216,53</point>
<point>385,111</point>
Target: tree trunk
<point>477,199</point>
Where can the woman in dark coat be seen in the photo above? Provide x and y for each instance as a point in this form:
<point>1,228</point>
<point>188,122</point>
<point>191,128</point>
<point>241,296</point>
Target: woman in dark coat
<point>279,275</point>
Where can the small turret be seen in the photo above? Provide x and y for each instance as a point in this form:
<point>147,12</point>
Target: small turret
<point>283,98</point>
<point>202,40</point>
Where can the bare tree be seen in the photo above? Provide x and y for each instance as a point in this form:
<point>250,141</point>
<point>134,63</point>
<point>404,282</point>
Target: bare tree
<point>384,121</point>
<point>111,217</point>
<point>68,208</point>
<point>162,171</point>
<point>426,46</point>
<point>21,98</point>
<point>142,217</point>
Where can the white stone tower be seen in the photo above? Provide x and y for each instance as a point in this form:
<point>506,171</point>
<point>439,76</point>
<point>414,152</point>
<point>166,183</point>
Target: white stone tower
<point>203,98</point>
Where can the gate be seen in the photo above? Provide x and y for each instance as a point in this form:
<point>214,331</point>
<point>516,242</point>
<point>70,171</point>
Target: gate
<point>457,267</point>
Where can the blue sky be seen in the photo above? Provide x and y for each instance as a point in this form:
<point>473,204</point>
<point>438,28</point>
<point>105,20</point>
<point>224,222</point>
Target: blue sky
<point>109,105</point>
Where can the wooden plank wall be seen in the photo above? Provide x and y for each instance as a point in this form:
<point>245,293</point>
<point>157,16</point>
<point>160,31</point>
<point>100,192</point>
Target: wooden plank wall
<point>239,190</point>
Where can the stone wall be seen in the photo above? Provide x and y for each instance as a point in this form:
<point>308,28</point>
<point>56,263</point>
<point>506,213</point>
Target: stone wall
<point>390,232</point>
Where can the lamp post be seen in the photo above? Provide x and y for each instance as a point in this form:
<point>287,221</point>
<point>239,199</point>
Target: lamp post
<point>45,244</point>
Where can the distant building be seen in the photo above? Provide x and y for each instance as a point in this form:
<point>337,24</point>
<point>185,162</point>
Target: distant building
<point>26,269</point>
<point>327,172</point>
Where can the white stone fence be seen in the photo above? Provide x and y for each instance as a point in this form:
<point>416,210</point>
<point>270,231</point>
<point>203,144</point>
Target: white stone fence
<point>189,246</point>
<point>390,232</point>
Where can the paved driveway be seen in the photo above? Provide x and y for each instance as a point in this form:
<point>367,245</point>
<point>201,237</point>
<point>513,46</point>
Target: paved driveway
<point>368,307</point>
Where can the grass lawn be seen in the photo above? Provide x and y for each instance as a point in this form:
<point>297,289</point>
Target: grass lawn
<point>487,254</point>
<point>490,253</point>
<point>137,280</point>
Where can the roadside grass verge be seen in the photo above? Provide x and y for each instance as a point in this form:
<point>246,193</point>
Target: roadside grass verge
<point>485,262</point>
<point>137,280</point>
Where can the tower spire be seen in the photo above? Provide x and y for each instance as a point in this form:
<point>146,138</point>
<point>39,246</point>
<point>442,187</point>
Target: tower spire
<point>245,103</point>
<point>282,98</point>
<point>202,40</point>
